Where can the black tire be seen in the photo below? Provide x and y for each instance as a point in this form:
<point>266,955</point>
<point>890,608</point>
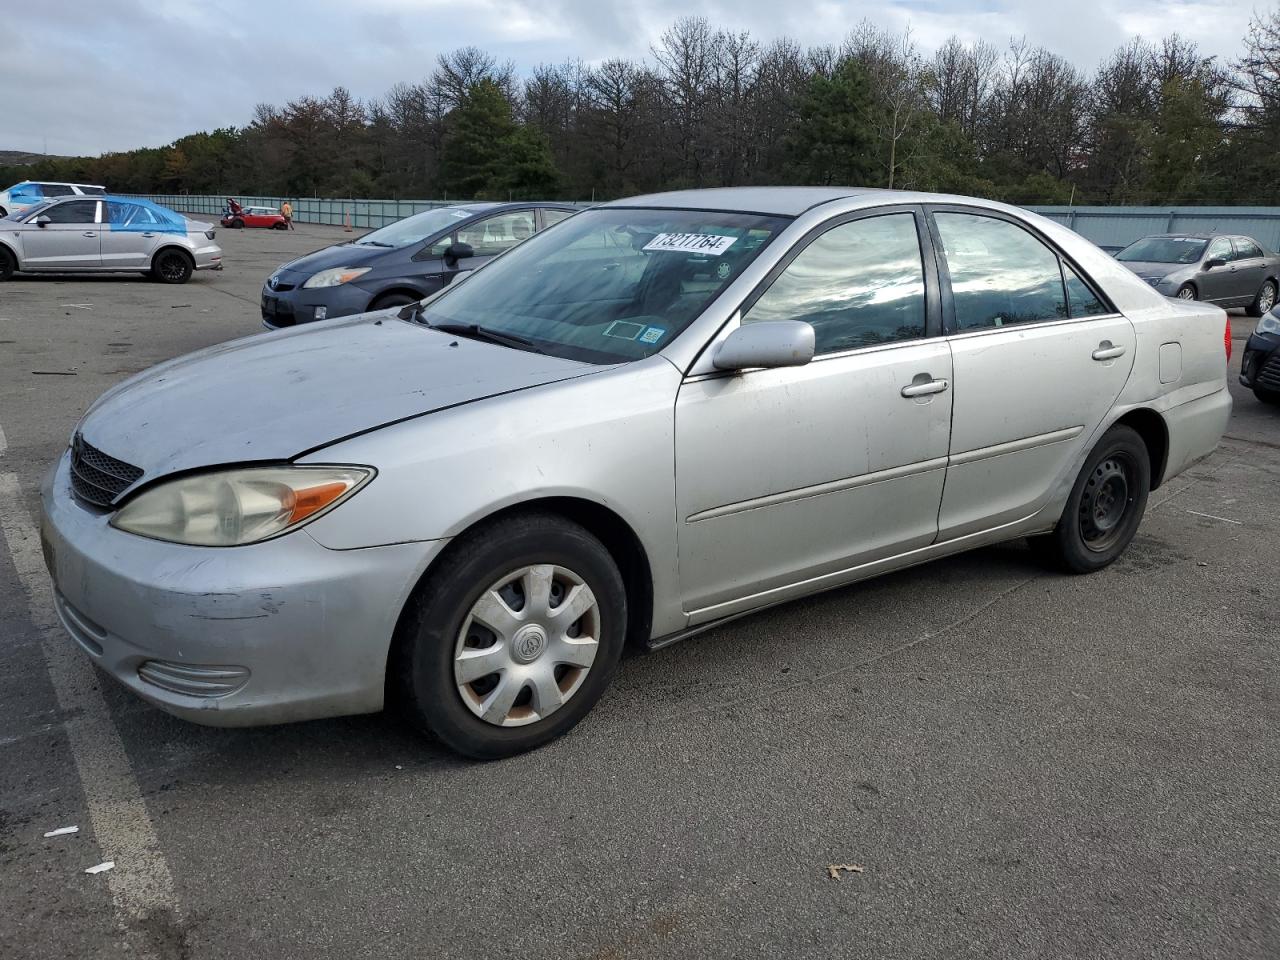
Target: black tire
<point>420,671</point>
<point>3,213</point>
<point>8,264</point>
<point>279,226</point>
<point>1266,396</point>
<point>171,266</point>
<point>1187,292</point>
<point>387,301</point>
<point>237,224</point>
<point>1264,301</point>
<point>1105,507</point>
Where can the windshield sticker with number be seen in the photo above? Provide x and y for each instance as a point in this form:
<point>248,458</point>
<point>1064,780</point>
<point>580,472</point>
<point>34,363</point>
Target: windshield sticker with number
<point>707,243</point>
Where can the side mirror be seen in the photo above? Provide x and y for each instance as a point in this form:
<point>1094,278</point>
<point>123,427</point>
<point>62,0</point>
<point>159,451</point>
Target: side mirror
<point>772,343</point>
<point>43,220</point>
<point>1214,263</point>
<point>458,251</point>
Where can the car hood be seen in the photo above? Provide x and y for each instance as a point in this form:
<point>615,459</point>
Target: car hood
<point>1146,269</point>
<point>341,255</point>
<point>274,396</point>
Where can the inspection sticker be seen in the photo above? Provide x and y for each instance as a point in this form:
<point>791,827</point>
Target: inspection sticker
<point>652,335</point>
<point>708,243</point>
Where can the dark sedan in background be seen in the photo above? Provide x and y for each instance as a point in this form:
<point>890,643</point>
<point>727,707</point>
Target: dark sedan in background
<point>1260,365</point>
<point>400,263</point>
<point>1228,270</point>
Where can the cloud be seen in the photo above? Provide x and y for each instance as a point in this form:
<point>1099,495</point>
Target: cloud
<point>100,77</point>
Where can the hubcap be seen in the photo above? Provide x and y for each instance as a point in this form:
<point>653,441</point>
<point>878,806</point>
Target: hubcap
<point>1186,293</point>
<point>526,645</point>
<point>1105,502</point>
<point>1266,299</point>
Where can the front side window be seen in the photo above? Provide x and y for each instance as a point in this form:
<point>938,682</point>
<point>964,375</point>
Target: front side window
<point>73,211</point>
<point>492,236</point>
<point>1001,275</point>
<point>58,190</point>
<point>1220,249</point>
<point>858,285</point>
<point>608,285</point>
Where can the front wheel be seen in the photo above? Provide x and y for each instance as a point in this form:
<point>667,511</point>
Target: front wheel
<point>1264,301</point>
<point>237,224</point>
<point>279,226</point>
<point>172,266</point>
<point>1105,507</point>
<point>513,639</point>
<point>392,300</point>
<point>8,264</point>
<point>1186,292</point>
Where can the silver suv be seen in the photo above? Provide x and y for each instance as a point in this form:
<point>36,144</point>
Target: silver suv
<point>28,193</point>
<point>117,234</point>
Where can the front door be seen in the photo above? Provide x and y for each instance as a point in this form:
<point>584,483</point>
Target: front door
<point>1039,360</point>
<point>798,474</point>
<point>72,239</point>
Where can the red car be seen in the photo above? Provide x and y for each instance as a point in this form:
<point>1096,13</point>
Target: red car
<point>239,217</point>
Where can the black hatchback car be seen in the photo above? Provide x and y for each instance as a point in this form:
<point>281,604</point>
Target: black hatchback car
<point>400,263</point>
<point>1260,365</point>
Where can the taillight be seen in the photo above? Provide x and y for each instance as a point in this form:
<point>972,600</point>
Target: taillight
<point>1226,339</point>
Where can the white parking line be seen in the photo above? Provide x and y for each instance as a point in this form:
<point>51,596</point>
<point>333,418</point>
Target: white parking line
<point>141,885</point>
<point>4,444</point>
<point>1210,516</point>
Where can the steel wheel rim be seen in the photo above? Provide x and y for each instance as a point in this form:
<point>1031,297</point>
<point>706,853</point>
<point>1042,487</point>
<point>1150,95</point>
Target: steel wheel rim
<point>171,267</point>
<point>526,645</point>
<point>1106,502</point>
<point>1186,293</point>
<point>1266,299</point>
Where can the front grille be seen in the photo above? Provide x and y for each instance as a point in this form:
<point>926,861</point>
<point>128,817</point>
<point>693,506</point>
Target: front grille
<point>1269,376</point>
<point>192,679</point>
<point>96,477</point>
<point>277,313</point>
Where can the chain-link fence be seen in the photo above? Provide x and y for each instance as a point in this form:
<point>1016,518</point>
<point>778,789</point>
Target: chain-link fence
<point>326,210</point>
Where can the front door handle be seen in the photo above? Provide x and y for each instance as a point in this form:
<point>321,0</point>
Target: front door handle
<point>1106,351</point>
<point>148,234</point>
<point>90,234</point>
<point>923,388</point>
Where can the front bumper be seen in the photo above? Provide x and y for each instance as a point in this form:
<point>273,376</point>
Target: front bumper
<point>291,304</point>
<point>269,633</point>
<point>1260,362</point>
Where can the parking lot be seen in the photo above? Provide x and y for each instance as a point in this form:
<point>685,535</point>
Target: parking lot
<point>1022,764</point>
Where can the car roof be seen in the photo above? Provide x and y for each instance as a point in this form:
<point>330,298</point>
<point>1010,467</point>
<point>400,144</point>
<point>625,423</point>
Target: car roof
<point>62,183</point>
<point>782,201</point>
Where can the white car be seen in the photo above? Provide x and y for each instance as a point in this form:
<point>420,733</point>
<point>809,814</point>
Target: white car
<point>30,192</point>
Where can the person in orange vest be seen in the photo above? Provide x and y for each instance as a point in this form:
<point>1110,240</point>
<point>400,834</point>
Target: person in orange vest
<point>286,211</point>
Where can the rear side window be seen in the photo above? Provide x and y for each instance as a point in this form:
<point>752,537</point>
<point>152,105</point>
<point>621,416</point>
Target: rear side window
<point>1246,249</point>
<point>555,216</point>
<point>858,285</point>
<point>57,190</point>
<point>74,211</point>
<point>1001,275</point>
<point>1081,300</point>
<point>496,234</point>
<point>93,191</point>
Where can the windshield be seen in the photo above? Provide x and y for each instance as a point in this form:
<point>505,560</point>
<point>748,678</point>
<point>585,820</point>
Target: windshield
<point>1164,250</point>
<point>414,229</point>
<point>608,285</point>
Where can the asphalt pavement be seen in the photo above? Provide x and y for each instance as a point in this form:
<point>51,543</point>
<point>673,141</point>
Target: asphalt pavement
<point>1021,764</point>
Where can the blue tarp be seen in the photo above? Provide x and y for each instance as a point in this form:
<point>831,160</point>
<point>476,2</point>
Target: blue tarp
<point>134,215</point>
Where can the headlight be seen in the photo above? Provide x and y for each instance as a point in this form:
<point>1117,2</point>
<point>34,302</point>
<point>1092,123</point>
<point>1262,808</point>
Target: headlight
<point>335,277</point>
<point>210,233</point>
<point>1154,281</point>
<point>235,507</point>
<point>1269,323</point>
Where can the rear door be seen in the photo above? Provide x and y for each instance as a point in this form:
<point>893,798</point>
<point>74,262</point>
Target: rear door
<point>72,240</point>
<point>130,235</point>
<point>1251,269</point>
<point>1218,284</point>
<point>1039,359</point>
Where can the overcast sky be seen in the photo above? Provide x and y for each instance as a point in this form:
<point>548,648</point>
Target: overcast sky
<point>85,76</point>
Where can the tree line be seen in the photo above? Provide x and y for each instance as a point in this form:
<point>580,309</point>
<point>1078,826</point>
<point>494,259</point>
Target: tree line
<point>1155,122</point>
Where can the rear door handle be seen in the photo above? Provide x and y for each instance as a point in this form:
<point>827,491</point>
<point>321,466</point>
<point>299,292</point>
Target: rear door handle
<point>148,234</point>
<point>924,388</point>
<point>1106,351</point>
<point>90,234</point>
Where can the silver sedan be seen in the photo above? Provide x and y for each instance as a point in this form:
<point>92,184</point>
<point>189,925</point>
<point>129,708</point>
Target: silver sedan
<point>106,234</point>
<point>656,416</point>
<point>1231,271</point>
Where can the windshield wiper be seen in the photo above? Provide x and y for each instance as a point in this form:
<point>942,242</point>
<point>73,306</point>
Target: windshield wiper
<point>477,332</point>
<point>372,243</point>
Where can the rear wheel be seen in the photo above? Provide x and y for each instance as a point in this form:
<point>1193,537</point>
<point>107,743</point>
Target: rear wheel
<point>279,226</point>
<point>8,264</point>
<point>1105,507</point>
<point>237,224</point>
<point>171,266</point>
<point>1186,292</point>
<point>513,639</point>
<point>389,300</point>
<point>1264,301</point>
